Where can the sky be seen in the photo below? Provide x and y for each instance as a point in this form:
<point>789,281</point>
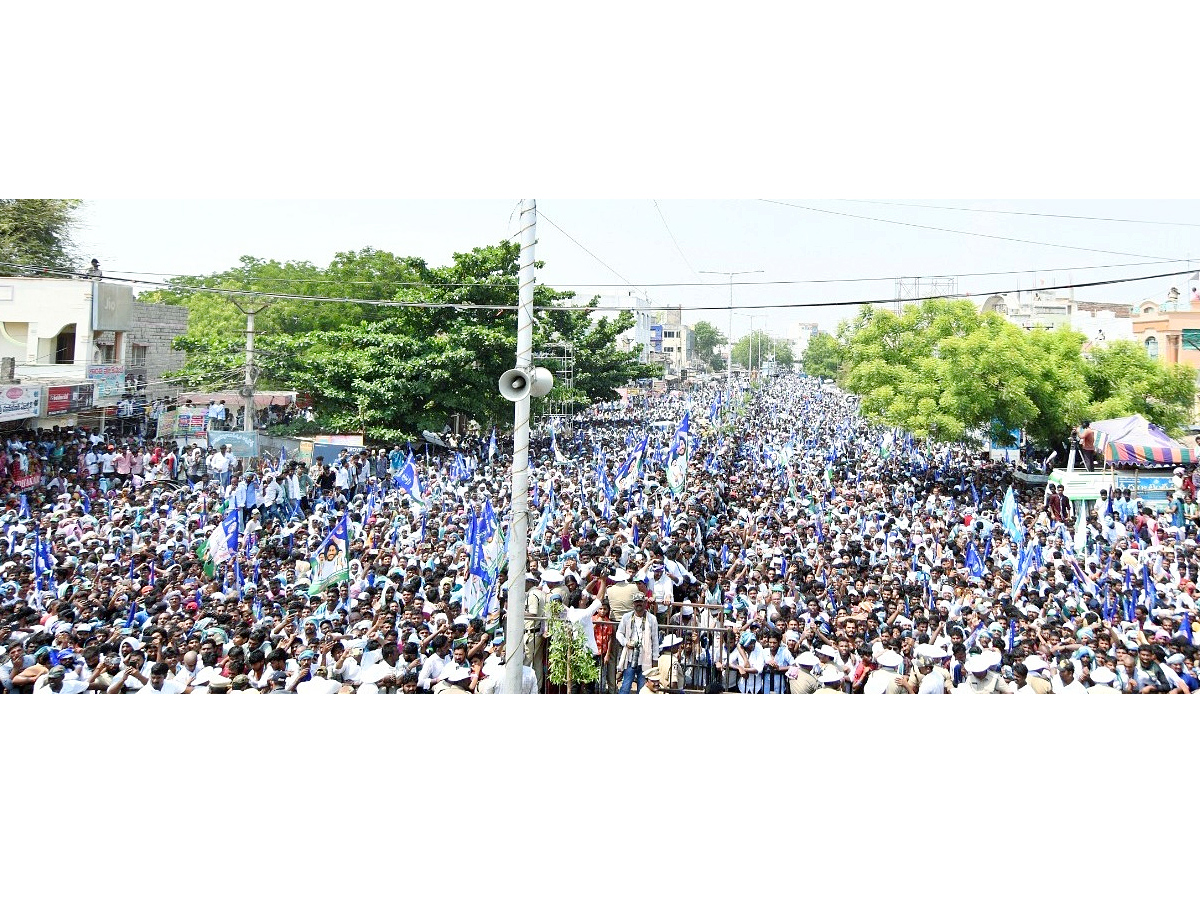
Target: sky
<point>641,246</point>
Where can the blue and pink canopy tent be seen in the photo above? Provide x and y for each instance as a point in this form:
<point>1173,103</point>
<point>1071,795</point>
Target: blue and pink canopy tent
<point>1135,441</point>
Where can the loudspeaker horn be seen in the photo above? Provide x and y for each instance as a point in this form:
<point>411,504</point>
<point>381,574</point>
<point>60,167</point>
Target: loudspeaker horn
<point>540,382</point>
<point>515,385</point>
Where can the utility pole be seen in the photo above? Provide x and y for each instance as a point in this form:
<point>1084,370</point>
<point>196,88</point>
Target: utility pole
<point>729,365</point>
<point>518,535</point>
<point>251,375</point>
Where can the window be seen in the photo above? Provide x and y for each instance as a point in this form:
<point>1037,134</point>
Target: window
<point>1152,347</point>
<point>64,347</point>
<point>137,355</point>
<point>107,353</point>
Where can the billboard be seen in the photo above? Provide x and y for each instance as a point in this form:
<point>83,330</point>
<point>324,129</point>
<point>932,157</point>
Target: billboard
<point>112,306</point>
<point>65,399</point>
<point>18,402</point>
<point>110,381</point>
<point>244,443</point>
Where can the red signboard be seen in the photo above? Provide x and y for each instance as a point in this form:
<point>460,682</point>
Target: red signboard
<point>64,399</point>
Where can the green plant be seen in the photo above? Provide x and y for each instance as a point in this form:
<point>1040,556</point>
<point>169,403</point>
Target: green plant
<point>571,662</point>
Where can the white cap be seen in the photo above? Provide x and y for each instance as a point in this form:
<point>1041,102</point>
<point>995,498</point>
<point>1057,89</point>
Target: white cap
<point>978,664</point>
<point>1103,676</point>
<point>890,659</point>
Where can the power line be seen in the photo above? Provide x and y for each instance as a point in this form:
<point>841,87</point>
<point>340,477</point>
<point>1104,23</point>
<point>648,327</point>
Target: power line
<point>1013,212</point>
<point>234,292</point>
<point>994,237</point>
<point>836,303</point>
<point>694,307</point>
<point>113,275</point>
<point>543,216</point>
<point>673,241</point>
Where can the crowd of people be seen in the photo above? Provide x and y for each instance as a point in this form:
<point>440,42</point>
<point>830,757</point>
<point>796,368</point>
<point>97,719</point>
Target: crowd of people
<point>781,544</point>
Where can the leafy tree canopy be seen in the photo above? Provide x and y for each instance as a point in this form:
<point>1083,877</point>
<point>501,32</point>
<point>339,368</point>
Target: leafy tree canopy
<point>387,370</point>
<point>757,347</point>
<point>822,358</point>
<point>708,337</point>
<point>942,369</point>
<point>37,233</point>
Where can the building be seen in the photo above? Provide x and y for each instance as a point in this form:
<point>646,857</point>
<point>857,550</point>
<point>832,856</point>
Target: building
<point>89,334</point>
<point>1053,308</point>
<point>677,342</point>
<point>1169,329</point>
<point>799,335</point>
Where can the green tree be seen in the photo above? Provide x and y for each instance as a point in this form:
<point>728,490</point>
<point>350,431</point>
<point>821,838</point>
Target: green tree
<point>37,233</point>
<point>1124,380</point>
<point>822,358</point>
<point>707,339</point>
<point>757,347</point>
<point>943,370</point>
<point>387,370</point>
<point>1058,386</point>
<point>571,662</point>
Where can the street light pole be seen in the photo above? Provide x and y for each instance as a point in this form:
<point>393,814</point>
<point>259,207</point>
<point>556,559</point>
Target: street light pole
<point>518,544</point>
<point>729,365</point>
<point>750,348</point>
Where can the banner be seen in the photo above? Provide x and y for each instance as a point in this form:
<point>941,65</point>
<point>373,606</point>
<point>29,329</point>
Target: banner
<point>109,379</point>
<point>330,565</point>
<point>185,423</point>
<point>244,443</point>
<point>65,399</point>
<point>340,440</point>
<point>20,403</point>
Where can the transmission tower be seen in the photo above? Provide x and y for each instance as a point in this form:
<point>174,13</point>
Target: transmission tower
<point>910,289</point>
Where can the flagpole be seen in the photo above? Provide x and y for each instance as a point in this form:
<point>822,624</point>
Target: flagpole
<point>518,545</point>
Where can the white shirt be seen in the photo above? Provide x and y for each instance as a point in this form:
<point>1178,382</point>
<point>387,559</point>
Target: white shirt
<point>318,686</point>
<point>1075,687</point>
<point>494,684</point>
<point>582,620</point>
<point>69,686</point>
<point>431,670</point>
<point>169,687</point>
<point>933,683</point>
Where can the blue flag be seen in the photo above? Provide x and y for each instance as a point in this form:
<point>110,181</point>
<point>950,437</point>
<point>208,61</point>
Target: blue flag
<point>43,563</point>
<point>1186,628</point>
<point>1010,517</point>
<point>409,481</point>
<point>24,512</point>
<point>974,563</point>
<point>491,451</point>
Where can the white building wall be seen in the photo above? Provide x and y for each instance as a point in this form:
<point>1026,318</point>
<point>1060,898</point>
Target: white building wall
<point>38,309</point>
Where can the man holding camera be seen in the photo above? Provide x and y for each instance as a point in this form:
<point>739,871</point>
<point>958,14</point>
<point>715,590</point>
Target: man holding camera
<point>638,637</point>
